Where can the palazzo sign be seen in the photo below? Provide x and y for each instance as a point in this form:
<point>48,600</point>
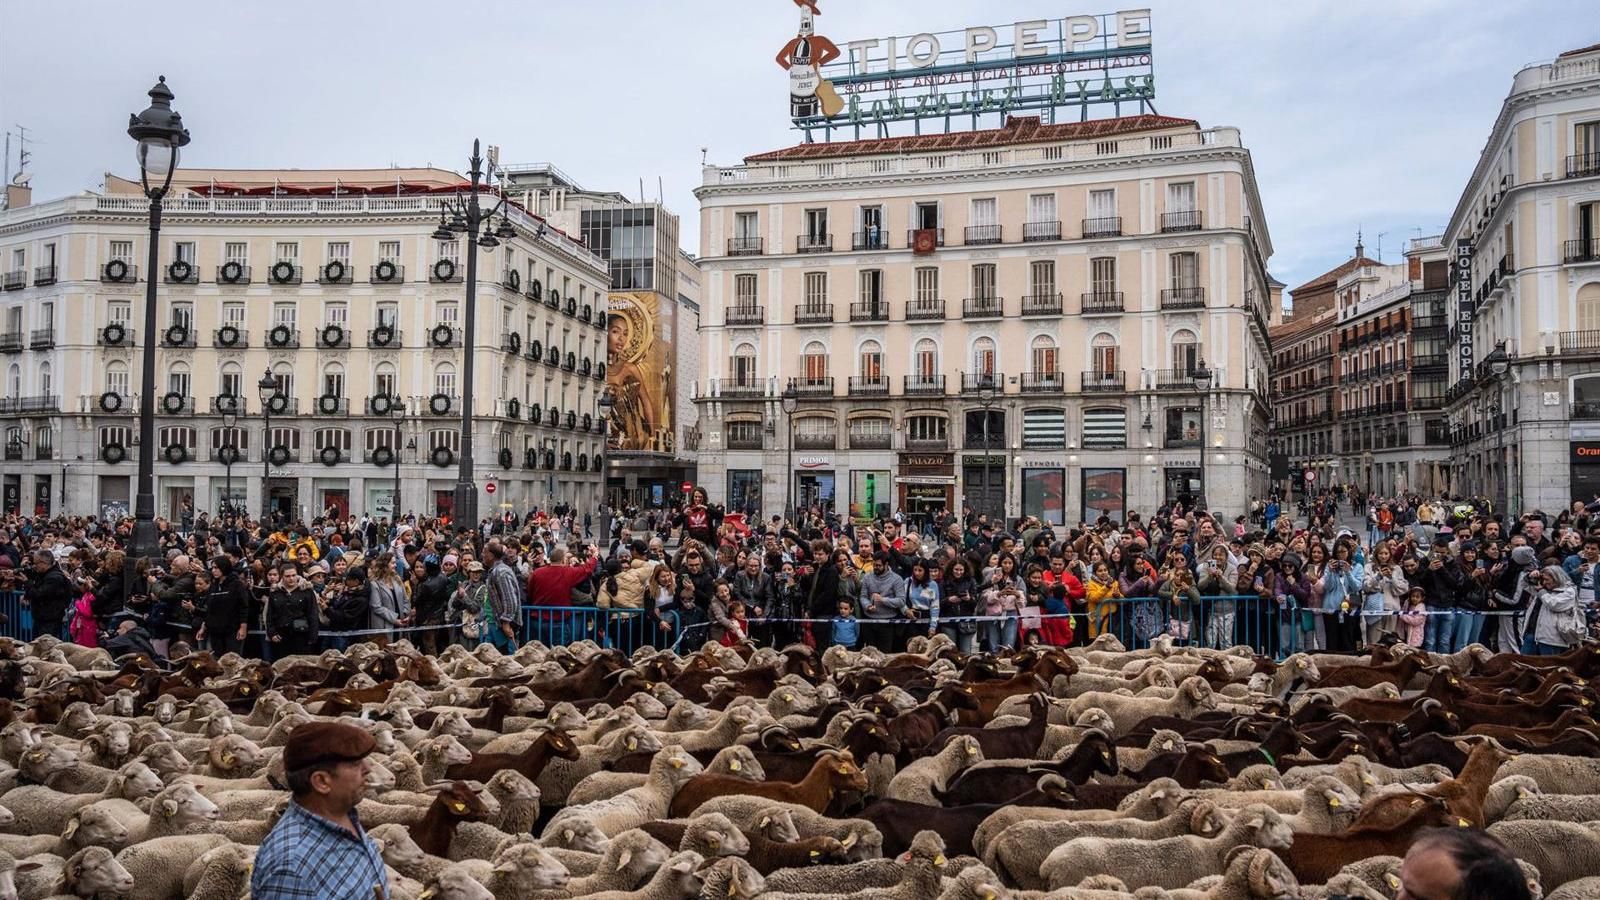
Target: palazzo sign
<point>1037,64</point>
<point>1466,307</point>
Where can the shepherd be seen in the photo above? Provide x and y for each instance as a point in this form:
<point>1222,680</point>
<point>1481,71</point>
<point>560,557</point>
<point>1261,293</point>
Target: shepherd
<point>803,56</point>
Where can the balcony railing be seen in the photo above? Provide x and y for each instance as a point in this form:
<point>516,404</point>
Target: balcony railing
<point>1183,220</point>
<point>1582,165</point>
<point>284,272</point>
<point>876,239</point>
<point>1043,383</point>
<point>813,243</point>
<point>924,310</point>
<point>869,385</point>
<point>982,308</point>
<point>1105,226</point>
<point>744,315</point>
<point>234,273</point>
<point>388,340</point>
<point>746,389</point>
<point>119,271</point>
<point>1427,323</point>
<point>1430,361</point>
<point>387,272</point>
<point>813,313</point>
<point>818,386</point>
<point>938,236</point>
<point>43,275</point>
<point>1183,298</point>
<point>15,280</point>
<point>1100,303</point>
<point>124,340</point>
<point>235,338</point>
<point>1042,304</point>
<point>38,403</point>
<point>872,440</point>
<point>816,441</point>
<point>928,443</point>
<point>746,246</point>
<point>1097,381</point>
<point>1581,251</point>
<point>42,339</point>
<point>282,340</point>
<point>11,342</point>
<point>923,385</point>
<point>1580,341</point>
<point>1586,410</point>
<point>870,311</point>
<point>1175,380</point>
<point>981,234</point>
<point>1041,231</point>
<point>228,403</point>
<point>745,441</point>
<point>973,382</point>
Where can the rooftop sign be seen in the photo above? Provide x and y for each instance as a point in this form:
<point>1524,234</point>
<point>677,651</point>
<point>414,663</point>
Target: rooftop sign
<point>953,78</point>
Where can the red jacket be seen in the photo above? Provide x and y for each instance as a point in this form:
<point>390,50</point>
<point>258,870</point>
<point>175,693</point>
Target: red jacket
<point>552,585</point>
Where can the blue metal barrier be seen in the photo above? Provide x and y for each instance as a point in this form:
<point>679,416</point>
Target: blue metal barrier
<point>1218,622</point>
<point>19,618</point>
<point>623,629</point>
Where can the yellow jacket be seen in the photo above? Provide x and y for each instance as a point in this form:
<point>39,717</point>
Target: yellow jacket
<point>1096,595</point>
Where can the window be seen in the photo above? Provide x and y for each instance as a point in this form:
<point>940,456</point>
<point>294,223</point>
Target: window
<point>19,259</point>
<point>444,380</point>
<point>284,314</point>
<point>925,359</point>
<point>816,227</point>
<point>388,314</point>
<point>927,428</point>
<point>47,314</point>
<point>176,435</point>
<point>14,381</point>
<point>1103,354</point>
<point>1183,426</point>
<point>1105,429</point>
<point>983,356</point>
<point>235,437</point>
<point>983,281</point>
<point>336,314</point>
<point>744,366</point>
<point>1586,139</point>
<point>183,251</point>
<point>871,361</point>
<point>236,251</point>
<point>122,250</point>
<point>333,381</point>
<point>231,381</point>
<point>337,438</point>
<point>1046,359</point>
<point>927,284</point>
<point>283,376</point>
<point>383,381</point>
<point>46,381</point>
<point>1103,275</point>
<point>389,250</point>
<point>985,213</point>
<point>814,363</point>
<point>744,435</point>
<point>379,437</point>
<point>1185,351</point>
<point>182,314</point>
<point>1185,271</point>
<point>1180,197</point>
<point>449,313</point>
<point>1102,204</point>
<point>871,226</point>
<point>117,377</point>
<point>178,380</point>
<point>927,215</point>
<point>871,295</point>
<point>1042,209</point>
<point>451,250</point>
<point>744,292</point>
<point>289,251</point>
<point>287,438</point>
<point>1044,429</point>
<point>871,431</point>
<point>1042,277</point>
<point>120,435</point>
<point>233,314</point>
<point>746,228</point>
<point>119,311</point>
<point>340,251</point>
<point>816,290</point>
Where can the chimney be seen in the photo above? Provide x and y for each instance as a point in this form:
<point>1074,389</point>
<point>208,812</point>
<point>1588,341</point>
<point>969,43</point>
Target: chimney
<point>18,196</point>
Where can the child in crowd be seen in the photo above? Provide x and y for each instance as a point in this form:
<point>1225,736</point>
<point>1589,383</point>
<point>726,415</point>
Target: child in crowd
<point>846,631</point>
<point>1415,617</point>
<point>740,631</point>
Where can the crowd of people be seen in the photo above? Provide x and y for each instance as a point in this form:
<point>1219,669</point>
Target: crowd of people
<point>1436,574</point>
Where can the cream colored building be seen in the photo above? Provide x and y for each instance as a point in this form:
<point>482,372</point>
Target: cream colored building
<point>1525,422</point>
<point>1082,271</point>
<point>331,281</point>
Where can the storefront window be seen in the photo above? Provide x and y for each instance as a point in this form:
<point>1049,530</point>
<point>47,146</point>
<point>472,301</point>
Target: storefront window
<point>744,491</point>
<point>1104,493</point>
<point>869,495</point>
<point>1044,494</point>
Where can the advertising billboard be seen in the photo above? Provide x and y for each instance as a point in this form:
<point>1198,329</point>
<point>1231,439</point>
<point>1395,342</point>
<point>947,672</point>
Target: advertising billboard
<point>641,330</point>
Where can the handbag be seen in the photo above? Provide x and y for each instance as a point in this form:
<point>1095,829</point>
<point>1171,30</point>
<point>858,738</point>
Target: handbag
<point>1308,620</point>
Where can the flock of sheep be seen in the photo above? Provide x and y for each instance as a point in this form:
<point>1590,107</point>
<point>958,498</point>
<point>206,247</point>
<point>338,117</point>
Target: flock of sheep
<point>1170,772</point>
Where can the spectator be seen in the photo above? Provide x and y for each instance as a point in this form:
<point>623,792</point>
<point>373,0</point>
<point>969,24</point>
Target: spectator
<point>49,594</point>
<point>504,598</point>
<point>553,585</point>
<point>291,615</point>
<point>223,610</point>
<point>388,607</point>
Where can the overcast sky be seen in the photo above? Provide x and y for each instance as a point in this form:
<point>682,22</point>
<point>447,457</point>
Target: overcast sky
<point>1357,113</point>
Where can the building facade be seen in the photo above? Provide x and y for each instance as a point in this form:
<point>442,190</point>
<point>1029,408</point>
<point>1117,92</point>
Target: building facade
<point>332,283</point>
<point>1304,426</point>
<point>1524,305</point>
<point>652,319</point>
<point>1007,320</point>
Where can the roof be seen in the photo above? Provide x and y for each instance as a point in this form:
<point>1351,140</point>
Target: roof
<point>1581,50</point>
<point>1017,130</point>
<point>1297,328</point>
<point>302,181</point>
<point>1331,277</point>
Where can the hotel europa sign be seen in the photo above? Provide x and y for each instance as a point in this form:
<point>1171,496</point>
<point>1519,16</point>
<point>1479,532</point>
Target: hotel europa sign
<point>942,78</point>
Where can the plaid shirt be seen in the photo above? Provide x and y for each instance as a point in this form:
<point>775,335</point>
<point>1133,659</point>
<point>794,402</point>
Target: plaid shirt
<point>309,856</point>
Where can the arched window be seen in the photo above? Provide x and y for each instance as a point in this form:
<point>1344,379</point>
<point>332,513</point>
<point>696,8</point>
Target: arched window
<point>178,379</point>
<point>117,377</point>
<point>744,366</point>
<point>925,360</point>
<point>384,382</point>
<point>231,382</point>
<point>333,380</point>
<point>444,379</point>
<point>870,362</point>
<point>983,357</point>
<point>14,381</point>
<point>46,382</point>
<point>1104,358</point>
<point>1185,351</point>
<point>283,374</point>
<point>815,368</point>
<point>1045,358</point>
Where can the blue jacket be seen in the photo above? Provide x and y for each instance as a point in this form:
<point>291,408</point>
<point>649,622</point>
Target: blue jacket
<point>1336,588</point>
<point>846,631</point>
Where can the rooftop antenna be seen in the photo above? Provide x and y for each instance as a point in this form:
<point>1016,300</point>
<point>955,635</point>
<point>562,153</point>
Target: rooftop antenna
<point>660,191</point>
<point>703,152</point>
<point>23,155</point>
<point>641,189</point>
<point>1380,245</point>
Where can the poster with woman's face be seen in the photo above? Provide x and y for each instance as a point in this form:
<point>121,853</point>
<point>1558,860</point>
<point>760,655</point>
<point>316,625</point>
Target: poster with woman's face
<point>639,372</point>
<point>1104,491</point>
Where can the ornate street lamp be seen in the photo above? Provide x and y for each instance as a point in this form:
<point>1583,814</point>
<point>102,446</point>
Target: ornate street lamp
<point>398,412</point>
<point>986,397</point>
<point>229,450</point>
<point>1202,383</point>
<point>791,402</point>
<point>267,388</point>
<point>160,134</point>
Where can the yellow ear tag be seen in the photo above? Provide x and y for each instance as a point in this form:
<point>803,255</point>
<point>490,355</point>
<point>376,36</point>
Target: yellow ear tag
<point>458,806</point>
<point>1463,823</point>
<point>734,766</point>
<point>1334,802</point>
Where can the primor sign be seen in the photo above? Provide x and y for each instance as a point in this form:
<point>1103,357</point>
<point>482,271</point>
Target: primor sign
<point>1037,64</point>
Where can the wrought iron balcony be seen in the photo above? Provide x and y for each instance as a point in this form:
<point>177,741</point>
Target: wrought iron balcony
<point>819,386</point>
<point>869,385</point>
<point>743,441</point>
<point>15,280</point>
<point>813,243</point>
<point>233,273</point>
<point>923,385</point>
<point>938,236</point>
<point>119,271</point>
<point>1041,231</point>
<point>1102,227</point>
<point>875,239</point>
<point>1043,383</point>
<point>981,234</point>
<point>42,339</point>
<point>387,271</point>
<point>283,272</point>
<point>1193,297</point>
<point>870,311</point>
<point>1174,380</point>
<point>744,315</point>
<point>43,275</point>
<point>746,246</point>
<point>1582,165</point>
<point>982,308</point>
<point>11,342</point>
<point>753,389</point>
<point>384,339</point>
<point>1041,304</point>
<point>1100,303</point>
<point>925,310</point>
<point>928,443</point>
<point>38,403</point>
<point>1095,381</point>
<point>1581,251</point>
<point>826,441</point>
<point>874,440</point>
<point>1183,220</point>
<point>974,382</point>
<point>813,313</point>
<point>336,271</point>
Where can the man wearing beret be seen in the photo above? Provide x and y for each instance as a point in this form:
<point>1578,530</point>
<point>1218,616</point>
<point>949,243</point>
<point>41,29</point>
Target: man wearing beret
<point>318,848</point>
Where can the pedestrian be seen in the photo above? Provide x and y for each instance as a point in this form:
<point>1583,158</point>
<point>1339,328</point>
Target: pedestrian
<point>318,847</point>
<point>504,597</point>
<point>388,607</point>
<point>291,614</point>
<point>1556,623</point>
<point>224,609</point>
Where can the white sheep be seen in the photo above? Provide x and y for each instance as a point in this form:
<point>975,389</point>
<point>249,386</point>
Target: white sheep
<point>737,761</point>
<point>1152,801</point>
<point>678,877</point>
<point>90,872</point>
<point>561,775</point>
<point>158,865</point>
<point>1021,850</point>
<point>401,853</point>
<point>627,862</point>
<point>88,827</point>
<point>1194,695</point>
<point>861,838</point>
<point>670,768</point>
<point>221,873</point>
<point>1556,773</point>
<point>1561,851</point>
<point>1170,862</point>
<point>917,781</point>
<point>43,810</point>
<point>518,870</point>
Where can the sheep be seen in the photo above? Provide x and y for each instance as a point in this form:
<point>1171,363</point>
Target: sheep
<point>735,723</point>
<point>402,854</point>
<point>90,872</point>
<point>736,760</point>
<point>918,876</point>
<point>43,810</point>
<point>1020,851</point>
<point>109,747</point>
<point>630,859</point>
<point>88,827</point>
<point>1507,793</point>
<point>231,756</point>
<point>1556,774</point>
<point>775,843</point>
<point>158,866</point>
<point>221,873</point>
<point>1194,694</point>
<point>678,877</point>
<point>1250,872</point>
<point>178,809</point>
<point>1582,889</point>
<point>560,776</point>
<point>1170,862</point>
<point>710,835</point>
<point>1157,799</point>
<point>916,782</point>
<point>669,770</point>
<point>518,870</point>
<point>1329,807</point>
<point>859,837</point>
<point>731,878</point>
<point>1562,851</point>
<point>455,882</point>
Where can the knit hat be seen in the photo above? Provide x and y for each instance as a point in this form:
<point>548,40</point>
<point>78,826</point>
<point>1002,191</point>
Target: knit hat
<point>318,742</point>
<point>450,559</point>
<point>1523,555</point>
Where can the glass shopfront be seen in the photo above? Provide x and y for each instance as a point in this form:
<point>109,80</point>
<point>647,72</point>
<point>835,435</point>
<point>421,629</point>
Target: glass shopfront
<point>744,492</point>
<point>1044,494</point>
<point>869,495</point>
<point>1104,494</point>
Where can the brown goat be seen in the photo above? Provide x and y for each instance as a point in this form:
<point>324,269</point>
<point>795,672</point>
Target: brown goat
<point>530,762</point>
<point>457,802</point>
<point>832,774</point>
<point>1315,858</point>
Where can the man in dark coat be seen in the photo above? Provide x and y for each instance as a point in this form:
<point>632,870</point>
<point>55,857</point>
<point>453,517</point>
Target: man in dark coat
<point>224,609</point>
<point>49,594</point>
<point>429,604</point>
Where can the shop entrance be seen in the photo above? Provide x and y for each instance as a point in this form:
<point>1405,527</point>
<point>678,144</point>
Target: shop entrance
<point>816,489</point>
<point>1183,486</point>
<point>283,499</point>
<point>924,502</point>
<point>336,503</point>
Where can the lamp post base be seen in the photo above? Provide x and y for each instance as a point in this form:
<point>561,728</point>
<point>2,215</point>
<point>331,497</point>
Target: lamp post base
<point>465,505</point>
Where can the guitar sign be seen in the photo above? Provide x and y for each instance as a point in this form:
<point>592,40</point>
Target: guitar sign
<point>809,93</point>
